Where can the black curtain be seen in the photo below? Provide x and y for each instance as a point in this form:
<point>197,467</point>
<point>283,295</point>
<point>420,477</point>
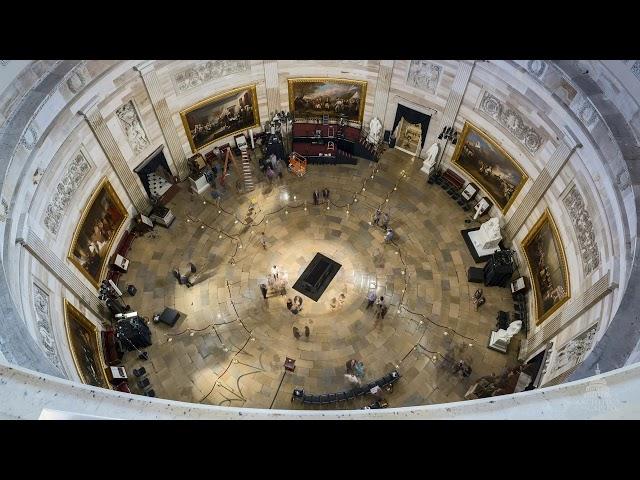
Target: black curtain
<point>412,116</point>
<point>153,161</point>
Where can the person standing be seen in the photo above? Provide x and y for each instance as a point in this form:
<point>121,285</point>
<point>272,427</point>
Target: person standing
<point>371,297</point>
<point>307,332</point>
<point>263,240</point>
<point>389,236</point>
<point>316,197</point>
<point>376,217</point>
<point>274,272</point>
<point>263,289</point>
<point>296,332</point>
<point>385,220</point>
<point>383,311</point>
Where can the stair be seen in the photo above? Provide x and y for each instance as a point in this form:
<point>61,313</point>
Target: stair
<point>247,172</point>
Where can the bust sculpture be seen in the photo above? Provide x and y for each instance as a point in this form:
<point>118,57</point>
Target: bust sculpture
<point>375,129</point>
<point>488,237</point>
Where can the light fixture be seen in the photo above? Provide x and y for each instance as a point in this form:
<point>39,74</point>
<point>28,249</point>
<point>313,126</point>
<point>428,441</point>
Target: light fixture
<point>471,344</point>
<point>235,221</point>
<point>446,333</point>
<point>188,220</point>
<point>204,202</point>
<point>219,211</point>
<point>328,207</point>
<point>286,212</point>
<point>191,334</point>
<point>220,236</point>
<point>363,189</point>
<point>395,188</point>
<point>294,197</point>
<point>170,339</point>
<point>202,227</point>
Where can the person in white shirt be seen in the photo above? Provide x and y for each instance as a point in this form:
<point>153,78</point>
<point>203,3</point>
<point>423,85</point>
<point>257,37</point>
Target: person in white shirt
<point>371,297</point>
<point>274,272</point>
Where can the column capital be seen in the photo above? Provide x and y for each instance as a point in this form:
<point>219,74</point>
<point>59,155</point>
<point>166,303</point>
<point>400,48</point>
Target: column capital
<point>89,107</point>
<point>145,67</point>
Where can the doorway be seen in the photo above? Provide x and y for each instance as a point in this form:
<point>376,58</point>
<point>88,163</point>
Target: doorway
<point>410,129</point>
<point>155,174</point>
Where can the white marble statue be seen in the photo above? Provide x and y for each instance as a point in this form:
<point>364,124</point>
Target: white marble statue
<point>430,159</point>
<point>375,130</point>
<point>500,339</point>
<point>488,237</point>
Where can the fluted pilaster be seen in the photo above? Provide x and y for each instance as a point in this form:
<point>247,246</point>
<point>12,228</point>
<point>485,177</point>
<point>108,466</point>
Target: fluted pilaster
<point>272,86</point>
<point>383,84</point>
<point>98,126</point>
<point>161,109</point>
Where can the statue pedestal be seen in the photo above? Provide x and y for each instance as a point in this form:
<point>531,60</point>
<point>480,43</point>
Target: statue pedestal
<point>498,342</point>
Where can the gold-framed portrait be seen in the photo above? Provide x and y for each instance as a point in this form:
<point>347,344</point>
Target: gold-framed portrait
<point>221,115</point>
<point>490,165</point>
<point>545,257</point>
<point>85,345</point>
<point>318,96</point>
<point>102,218</point>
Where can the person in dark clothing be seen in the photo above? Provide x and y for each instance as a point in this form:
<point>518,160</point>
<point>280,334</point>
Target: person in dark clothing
<point>296,332</point>
<point>289,304</point>
<point>383,310</point>
<point>316,197</point>
<point>306,331</point>
<point>325,194</point>
<point>263,289</point>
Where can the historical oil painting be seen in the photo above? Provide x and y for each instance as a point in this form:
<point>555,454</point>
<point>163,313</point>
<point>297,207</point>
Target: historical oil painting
<point>335,97</point>
<point>221,116</point>
<point>103,216</point>
<point>547,264</point>
<point>84,342</point>
<point>492,167</point>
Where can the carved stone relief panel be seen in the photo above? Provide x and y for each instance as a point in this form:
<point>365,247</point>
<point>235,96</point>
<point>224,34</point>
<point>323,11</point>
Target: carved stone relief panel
<point>565,91</point>
<point>584,230</point>
<point>202,73</point>
<point>574,351</point>
<point>424,75</point>
<point>30,137</point>
<point>72,178</point>
<point>507,116</point>
<point>585,111</point>
<point>43,322</point>
<point>132,126</point>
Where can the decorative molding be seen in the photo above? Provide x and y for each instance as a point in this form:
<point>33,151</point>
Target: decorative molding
<point>574,351</point>
<point>635,68</point>
<point>512,120</point>
<point>78,78</point>
<point>623,179</point>
<point>30,137</point>
<point>4,210</point>
<point>583,226</point>
<point>200,74</point>
<point>4,63</point>
<point>424,75</point>
<point>132,127</point>
<point>585,111</point>
<point>72,178</point>
<point>43,322</point>
<point>537,67</point>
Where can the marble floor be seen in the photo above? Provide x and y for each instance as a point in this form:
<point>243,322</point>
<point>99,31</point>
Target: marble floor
<point>229,345</point>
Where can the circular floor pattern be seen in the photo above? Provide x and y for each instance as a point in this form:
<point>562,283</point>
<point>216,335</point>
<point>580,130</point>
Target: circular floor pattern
<point>229,346</point>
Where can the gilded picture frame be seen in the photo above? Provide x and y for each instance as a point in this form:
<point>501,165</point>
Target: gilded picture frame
<point>317,96</point>
<point>545,257</point>
<point>497,173</point>
<point>220,116</point>
<point>101,221</point>
<point>85,346</point>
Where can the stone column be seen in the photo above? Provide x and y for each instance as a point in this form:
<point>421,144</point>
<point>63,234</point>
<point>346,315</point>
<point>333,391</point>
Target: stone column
<point>161,109</point>
<point>95,120</point>
<point>572,310</point>
<point>272,86</point>
<point>540,185</point>
<point>383,84</point>
<point>41,252</point>
<point>451,108</point>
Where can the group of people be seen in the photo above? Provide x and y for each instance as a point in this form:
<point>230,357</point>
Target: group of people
<point>381,307</point>
<point>295,305</point>
<point>185,278</point>
<point>355,371</point>
<point>272,167</point>
<point>316,196</point>
<point>382,220</point>
<point>296,332</point>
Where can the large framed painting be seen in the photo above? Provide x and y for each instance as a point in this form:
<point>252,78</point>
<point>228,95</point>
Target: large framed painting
<point>101,221</point>
<point>336,97</point>
<point>547,264</point>
<point>85,345</point>
<point>221,116</point>
<point>493,168</point>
